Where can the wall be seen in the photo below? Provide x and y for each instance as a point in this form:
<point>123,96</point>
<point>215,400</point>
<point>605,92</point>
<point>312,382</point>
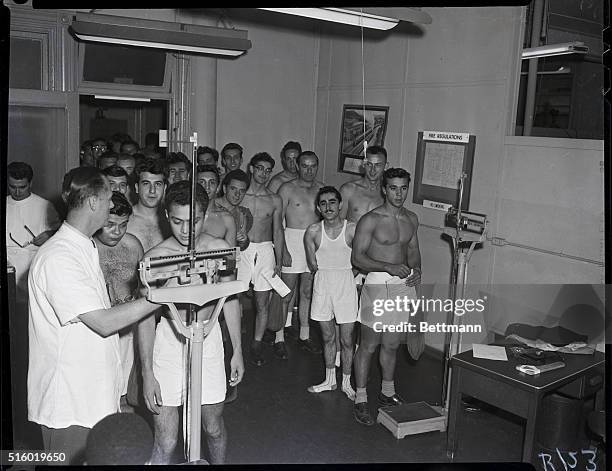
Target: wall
<point>266,97</point>
<point>459,74</point>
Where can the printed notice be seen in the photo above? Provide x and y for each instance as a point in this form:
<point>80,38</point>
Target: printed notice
<point>443,165</point>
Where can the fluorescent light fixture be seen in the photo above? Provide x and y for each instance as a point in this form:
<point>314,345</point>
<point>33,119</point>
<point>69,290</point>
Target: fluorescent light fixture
<point>342,15</point>
<point>160,38</point>
<point>123,98</point>
<point>575,47</point>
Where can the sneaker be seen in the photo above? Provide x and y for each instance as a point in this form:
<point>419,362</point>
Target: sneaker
<point>268,337</point>
<point>257,354</point>
<point>362,414</point>
<point>231,395</point>
<point>394,400</point>
<point>280,351</point>
<point>309,346</point>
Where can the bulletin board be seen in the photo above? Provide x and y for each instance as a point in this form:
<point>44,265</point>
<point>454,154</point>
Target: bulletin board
<point>441,158</point>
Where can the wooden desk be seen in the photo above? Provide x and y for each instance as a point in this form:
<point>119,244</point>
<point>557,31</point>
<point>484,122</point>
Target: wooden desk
<point>498,383</point>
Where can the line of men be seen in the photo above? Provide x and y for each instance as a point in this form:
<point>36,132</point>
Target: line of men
<point>364,227</point>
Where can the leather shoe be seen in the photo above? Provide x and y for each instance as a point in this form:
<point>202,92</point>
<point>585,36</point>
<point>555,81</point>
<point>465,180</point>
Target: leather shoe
<point>309,346</point>
<point>291,333</point>
<point>268,338</point>
<point>257,354</point>
<point>280,351</point>
<point>394,400</point>
<point>362,414</point>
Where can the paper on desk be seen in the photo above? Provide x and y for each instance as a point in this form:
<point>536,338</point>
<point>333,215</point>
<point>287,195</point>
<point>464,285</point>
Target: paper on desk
<point>489,352</point>
<point>278,285</point>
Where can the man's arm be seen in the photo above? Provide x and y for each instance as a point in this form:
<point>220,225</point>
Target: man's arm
<point>278,235</point>
<point>230,226</point>
<point>105,322</point>
<point>346,193</point>
<point>150,387</point>
<point>274,184</point>
<point>361,243</point>
<point>310,237</point>
<point>413,255</point>
<point>283,193</point>
<point>231,312</point>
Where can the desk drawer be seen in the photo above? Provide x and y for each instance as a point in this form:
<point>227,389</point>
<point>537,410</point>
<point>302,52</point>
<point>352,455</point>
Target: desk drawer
<point>585,386</point>
<point>494,392</point>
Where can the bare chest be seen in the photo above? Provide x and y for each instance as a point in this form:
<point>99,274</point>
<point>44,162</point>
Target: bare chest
<point>148,231</point>
<point>362,203</point>
<point>391,231</point>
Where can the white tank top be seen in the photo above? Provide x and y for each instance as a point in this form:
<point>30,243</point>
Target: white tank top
<point>333,254</point>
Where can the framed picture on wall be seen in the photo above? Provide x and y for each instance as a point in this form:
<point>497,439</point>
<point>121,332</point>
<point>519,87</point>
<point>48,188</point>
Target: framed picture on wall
<point>360,123</point>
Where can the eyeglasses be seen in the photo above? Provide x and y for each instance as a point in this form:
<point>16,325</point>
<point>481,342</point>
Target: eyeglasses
<point>99,147</point>
<point>262,169</point>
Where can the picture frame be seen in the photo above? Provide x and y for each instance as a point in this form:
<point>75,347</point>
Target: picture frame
<point>352,134</point>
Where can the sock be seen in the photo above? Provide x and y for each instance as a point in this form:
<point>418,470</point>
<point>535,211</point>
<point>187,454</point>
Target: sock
<point>361,395</point>
<point>280,336</point>
<point>328,385</point>
<point>346,386</point>
<point>337,359</point>
<point>388,388</point>
<point>304,333</point>
<point>289,319</point>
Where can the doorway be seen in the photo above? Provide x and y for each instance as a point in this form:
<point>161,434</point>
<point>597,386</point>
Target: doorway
<point>101,118</point>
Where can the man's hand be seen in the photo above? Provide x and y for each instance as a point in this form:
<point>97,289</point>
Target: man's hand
<point>415,278</point>
<point>152,393</point>
<point>236,369</point>
<point>41,238</point>
<point>277,270</point>
<point>401,270</point>
<point>287,262</point>
<point>313,268</point>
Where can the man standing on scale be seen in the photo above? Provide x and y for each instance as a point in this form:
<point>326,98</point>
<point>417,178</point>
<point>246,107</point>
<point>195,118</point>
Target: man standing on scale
<point>385,247</point>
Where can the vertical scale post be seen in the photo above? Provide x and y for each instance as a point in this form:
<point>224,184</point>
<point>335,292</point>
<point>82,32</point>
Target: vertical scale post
<point>197,329</point>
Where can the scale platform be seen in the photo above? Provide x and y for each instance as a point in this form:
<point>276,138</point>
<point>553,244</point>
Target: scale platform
<point>412,419</point>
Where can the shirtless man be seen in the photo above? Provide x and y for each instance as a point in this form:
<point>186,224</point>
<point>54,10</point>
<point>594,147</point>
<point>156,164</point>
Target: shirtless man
<point>334,295</point>
<point>235,185</point>
<point>263,258</point>
<point>120,254</point>
<point>162,349</point>
<point>289,154</point>
<point>147,222</point>
<point>386,247</point>
<point>218,221</point>
<point>231,159</point>
<point>178,167</point>
<point>299,198</point>
<point>127,162</point>
<point>364,194</point>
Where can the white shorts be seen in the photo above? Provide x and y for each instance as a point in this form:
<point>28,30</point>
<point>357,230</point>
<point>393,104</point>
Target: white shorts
<point>126,347</point>
<point>380,278</point>
<point>170,363</point>
<point>334,295</point>
<point>257,259</point>
<point>294,239</point>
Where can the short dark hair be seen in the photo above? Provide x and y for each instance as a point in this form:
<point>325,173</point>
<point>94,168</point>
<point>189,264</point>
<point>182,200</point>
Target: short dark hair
<point>80,183</point>
<point>20,170</point>
<point>377,150</point>
<point>115,171</point>
<point>176,157</point>
<point>121,206</point>
<point>395,173</point>
<point>237,174</point>
<point>209,150</point>
<point>109,154</point>
<point>209,168</point>
<point>119,439</point>
<point>328,189</point>
<point>129,141</point>
<point>262,157</point>
<point>307,153</point>
<point>153,166</point>
<point>180,193</point>
<point>291,145</point>
<point>231,146</point>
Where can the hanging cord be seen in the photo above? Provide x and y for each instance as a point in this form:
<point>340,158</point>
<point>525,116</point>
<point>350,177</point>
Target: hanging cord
<point>365,143</point>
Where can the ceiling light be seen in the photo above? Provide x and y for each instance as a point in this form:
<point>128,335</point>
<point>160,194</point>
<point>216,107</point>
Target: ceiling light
<point>162,37</point>
<point>123,98</point>
<point>342,15</point>
<point>575,47</point>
